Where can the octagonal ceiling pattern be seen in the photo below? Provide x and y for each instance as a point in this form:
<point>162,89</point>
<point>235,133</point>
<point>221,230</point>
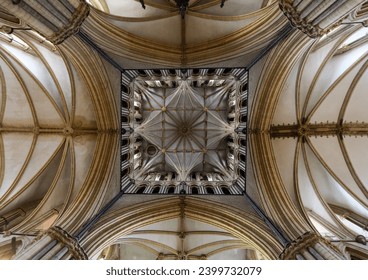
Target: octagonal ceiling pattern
<point>320,142</point>
<point>47,130</point>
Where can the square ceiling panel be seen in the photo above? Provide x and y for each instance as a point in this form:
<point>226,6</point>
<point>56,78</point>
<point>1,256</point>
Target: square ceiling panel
<point>184,131</point>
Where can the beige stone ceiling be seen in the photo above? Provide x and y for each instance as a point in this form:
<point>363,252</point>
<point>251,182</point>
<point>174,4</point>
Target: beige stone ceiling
<point>48,131</point>
<point>188,125</point>
<point>205,20</point>
<point>325,96</point>
<point>180,239</point>
<point>160,34</point>
<point>44,104</point>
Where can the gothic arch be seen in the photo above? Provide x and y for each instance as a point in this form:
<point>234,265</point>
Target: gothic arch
<point>246,226</point>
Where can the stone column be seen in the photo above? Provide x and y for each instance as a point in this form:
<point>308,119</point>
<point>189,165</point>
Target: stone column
<point>55,20</point>
<point>317,17</point>
<point>311,246</point>
<point>54,244</point>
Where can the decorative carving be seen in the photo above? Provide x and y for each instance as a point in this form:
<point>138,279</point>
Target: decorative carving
<point>318,129</point>
<point>306,240</point>
<point>79,15</point>
<point>71,242</point>
<point>68,131</point>
<point>294,16</point>
<point>182,5</point>
<point>6,29</point>
<point>303,130</point>
<point>191,129</point>
<point>36,130</point>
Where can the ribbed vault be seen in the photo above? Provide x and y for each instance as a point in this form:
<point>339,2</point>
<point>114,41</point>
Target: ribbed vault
<point>159,36</point>
<point>175,228</point>
<point>47,134</point>
<point>51,131</point>
<point>317,144</point>
<point>187,124</point>
<point>59,127</point>
<point>322,140</point>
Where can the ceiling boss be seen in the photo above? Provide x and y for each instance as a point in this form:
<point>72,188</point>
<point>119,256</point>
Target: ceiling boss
<point>182,5</point>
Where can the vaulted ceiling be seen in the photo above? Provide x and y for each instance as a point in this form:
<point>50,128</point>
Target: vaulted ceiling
<point>44,102</point>
<point>320,141</point>
<point>197,39</point>
<point>308,122</point>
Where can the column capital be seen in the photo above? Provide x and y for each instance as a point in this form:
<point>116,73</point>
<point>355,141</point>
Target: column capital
<point>310,246</point>
<point>303,23</point>
<point>62,236</point>
<point>297,245</point>
<point>73,26</point>
<point>55,20</point>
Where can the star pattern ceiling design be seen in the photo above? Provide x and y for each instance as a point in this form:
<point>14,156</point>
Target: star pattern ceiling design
<point>187,123</point>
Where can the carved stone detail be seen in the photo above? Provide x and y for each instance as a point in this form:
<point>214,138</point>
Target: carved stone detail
<point>319,130</point>
<point>297,245</point>
<point>69,241</point>
<point>295,18</point>
<point>79,15</point>
<point>309,240</point>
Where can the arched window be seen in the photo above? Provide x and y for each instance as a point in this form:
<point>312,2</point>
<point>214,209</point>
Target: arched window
<point>124,88</point>
<point>242,173</point>
<point>124,104</point>
<point>210,190</point>
<point>227,71</point>
<point>171,190</point>
<point>242,157</point>
<point>141,190</point>
<point>157,72</point>
<point>156,190</point>
<point>225,190</point>
<point>194,190</point>
<point>124,172</point>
